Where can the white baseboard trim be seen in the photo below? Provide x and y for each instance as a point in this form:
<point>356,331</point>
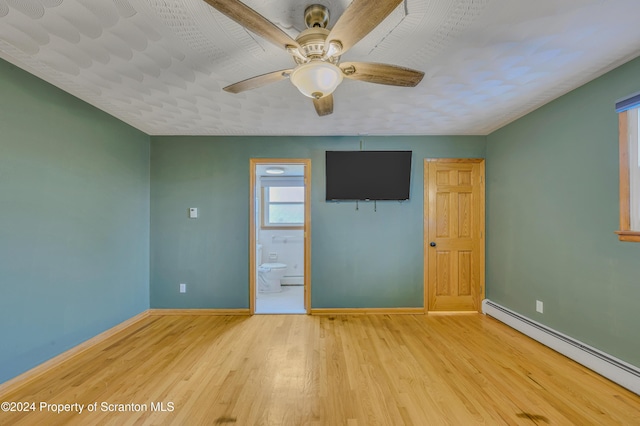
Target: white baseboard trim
<point>614,369</point>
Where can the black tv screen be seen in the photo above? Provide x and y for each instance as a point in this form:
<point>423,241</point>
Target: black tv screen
<point>368,175</point>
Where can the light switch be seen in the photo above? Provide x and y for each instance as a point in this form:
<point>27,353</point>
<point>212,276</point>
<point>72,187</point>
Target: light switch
<point>193,213</point>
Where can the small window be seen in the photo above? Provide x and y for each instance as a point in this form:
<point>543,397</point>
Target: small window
<point>629,145</point>
<point>283,203</point>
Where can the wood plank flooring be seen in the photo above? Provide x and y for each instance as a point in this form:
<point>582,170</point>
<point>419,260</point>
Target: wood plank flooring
<point>323,370</point>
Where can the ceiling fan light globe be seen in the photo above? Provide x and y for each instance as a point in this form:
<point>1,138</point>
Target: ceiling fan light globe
<point>316,79</point>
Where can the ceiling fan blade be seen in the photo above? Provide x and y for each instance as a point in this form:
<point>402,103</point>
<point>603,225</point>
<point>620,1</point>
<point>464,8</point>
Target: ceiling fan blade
<point>358,20</point>
<point>324,105</point>
<point>253,21</point>
<point>257,81</point>
<point>391,75</point>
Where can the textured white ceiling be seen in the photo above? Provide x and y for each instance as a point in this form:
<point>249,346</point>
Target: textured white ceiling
<point>160,65</point>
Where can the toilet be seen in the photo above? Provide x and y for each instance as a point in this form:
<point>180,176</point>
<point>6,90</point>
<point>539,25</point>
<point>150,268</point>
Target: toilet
<point>269,274</point>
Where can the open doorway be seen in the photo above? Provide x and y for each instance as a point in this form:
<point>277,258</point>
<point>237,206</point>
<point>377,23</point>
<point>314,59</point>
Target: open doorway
<point>279,236</point>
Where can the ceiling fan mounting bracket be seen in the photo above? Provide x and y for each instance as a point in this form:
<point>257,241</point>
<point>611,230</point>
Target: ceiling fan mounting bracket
<point>316,16</point>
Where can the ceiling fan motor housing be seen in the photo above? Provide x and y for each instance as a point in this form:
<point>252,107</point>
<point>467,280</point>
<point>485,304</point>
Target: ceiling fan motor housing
<point>311,43</point>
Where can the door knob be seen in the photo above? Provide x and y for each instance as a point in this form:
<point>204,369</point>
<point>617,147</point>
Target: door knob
<point>432,244</point>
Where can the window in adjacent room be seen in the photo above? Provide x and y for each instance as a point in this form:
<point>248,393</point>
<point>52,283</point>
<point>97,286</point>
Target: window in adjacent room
<point>283,202</point>
<point>629,123</point>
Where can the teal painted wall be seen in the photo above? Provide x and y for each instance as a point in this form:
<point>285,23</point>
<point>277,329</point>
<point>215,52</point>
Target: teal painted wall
<point>78,212</point>
<point>552,209</point>
<point>358,258</point>
<point>74,221</point>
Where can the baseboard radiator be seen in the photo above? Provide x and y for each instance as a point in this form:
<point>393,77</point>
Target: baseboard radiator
<point>292,280</point>
<point>614,369</point>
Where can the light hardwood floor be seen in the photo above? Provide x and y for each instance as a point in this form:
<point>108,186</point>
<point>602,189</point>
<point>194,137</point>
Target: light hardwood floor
<point>325,370</point>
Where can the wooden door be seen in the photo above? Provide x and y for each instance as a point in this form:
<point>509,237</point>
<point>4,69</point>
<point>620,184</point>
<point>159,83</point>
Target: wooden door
<point>454,234</point>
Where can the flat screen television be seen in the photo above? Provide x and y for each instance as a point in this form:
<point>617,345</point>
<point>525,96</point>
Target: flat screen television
<point>368,175</point>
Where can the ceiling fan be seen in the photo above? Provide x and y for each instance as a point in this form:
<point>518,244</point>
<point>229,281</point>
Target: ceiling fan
<point>317,50</point>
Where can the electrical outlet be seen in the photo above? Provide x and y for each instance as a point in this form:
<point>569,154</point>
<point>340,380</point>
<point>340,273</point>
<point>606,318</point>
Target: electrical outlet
<point>539,306</point>
<point>183,288</point>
